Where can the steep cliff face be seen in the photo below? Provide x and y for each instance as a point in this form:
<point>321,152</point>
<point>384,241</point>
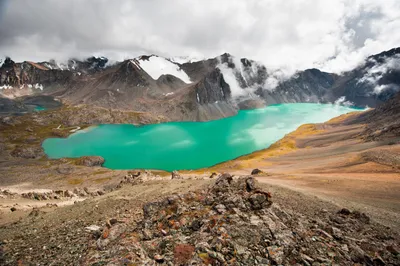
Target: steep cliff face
<point>202,90</point>
<point>310,85</point>
<point>212,88</point>
<point>372,83</point>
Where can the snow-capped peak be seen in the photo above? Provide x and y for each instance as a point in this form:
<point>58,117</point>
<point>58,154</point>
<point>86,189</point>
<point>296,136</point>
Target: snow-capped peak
<point>186,59</point>
<point>156,66</point>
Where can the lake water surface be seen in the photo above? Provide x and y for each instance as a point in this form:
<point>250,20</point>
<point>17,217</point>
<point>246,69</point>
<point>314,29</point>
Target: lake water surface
<point>39,108</point>
<point>190,145</point>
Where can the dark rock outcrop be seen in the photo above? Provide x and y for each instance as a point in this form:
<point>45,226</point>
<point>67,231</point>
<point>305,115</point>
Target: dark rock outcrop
<point>212,88</point>
<point>256,171</point>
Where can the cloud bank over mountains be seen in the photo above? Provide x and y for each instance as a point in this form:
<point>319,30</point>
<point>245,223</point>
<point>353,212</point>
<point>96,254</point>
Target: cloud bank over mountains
<point>331,35</point>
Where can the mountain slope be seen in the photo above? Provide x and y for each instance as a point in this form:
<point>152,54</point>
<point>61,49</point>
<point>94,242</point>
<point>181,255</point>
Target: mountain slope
<point>203,90</point>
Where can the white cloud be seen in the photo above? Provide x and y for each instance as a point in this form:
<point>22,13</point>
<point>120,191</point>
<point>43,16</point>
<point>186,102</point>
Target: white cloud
<point>293,34</point>
<point>342,101</point>
<point>376,73</point>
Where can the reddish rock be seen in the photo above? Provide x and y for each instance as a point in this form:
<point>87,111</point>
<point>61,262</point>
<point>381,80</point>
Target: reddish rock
<point>106,233</point>
<point>183,253</point>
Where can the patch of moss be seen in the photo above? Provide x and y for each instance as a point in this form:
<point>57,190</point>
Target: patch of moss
<point>102,180</point>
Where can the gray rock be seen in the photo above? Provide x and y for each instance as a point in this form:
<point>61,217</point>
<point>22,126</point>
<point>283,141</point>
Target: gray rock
<point>337,233</point>
<point>220,208</point>
<point>276,254</point>
<point>258,201</point>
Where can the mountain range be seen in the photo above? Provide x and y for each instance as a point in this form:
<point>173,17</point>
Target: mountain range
<point>190,90</point>
<point>324,193</point>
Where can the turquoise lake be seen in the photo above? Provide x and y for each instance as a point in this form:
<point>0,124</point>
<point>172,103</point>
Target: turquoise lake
<point>190,145</point>
<point>39,108</point>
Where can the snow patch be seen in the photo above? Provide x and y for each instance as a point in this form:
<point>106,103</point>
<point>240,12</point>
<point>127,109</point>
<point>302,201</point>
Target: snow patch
<point>62,66</point>
<point>169,93</point>
<point>38,86</point>
<point>6,87</point>
<point>230,78</point>
<point>59,66</point>
<point>247,72</point>
<point>135,64</point>
<point>73,64</point>
<point>156,66</point>
<point>244,78</point>
<point>186,59</point>
<point>48,66</point>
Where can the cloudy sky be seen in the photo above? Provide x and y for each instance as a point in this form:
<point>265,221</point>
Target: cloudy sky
<point>334,35</point>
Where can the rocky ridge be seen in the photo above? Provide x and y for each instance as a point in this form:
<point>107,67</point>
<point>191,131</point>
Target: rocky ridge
<point>232,222</point>
<point>217,87</point>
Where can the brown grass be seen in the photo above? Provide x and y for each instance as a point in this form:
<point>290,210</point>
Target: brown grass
<point>75,181</point>
<point>342,118</point>
<point>102,180</point>
<point>283,146</point>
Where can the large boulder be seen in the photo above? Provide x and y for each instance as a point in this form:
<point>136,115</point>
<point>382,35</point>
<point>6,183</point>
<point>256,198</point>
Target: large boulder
<point>256,171</point>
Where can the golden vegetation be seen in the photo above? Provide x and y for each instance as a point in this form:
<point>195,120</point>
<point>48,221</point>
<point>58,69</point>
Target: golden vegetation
<point>75,181</point>
<point>102,180</point>
<point>283,146</point>
<point>342,118</point>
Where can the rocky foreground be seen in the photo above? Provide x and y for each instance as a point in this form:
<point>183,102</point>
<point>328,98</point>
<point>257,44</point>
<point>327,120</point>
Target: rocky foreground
<point>232,221</point>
